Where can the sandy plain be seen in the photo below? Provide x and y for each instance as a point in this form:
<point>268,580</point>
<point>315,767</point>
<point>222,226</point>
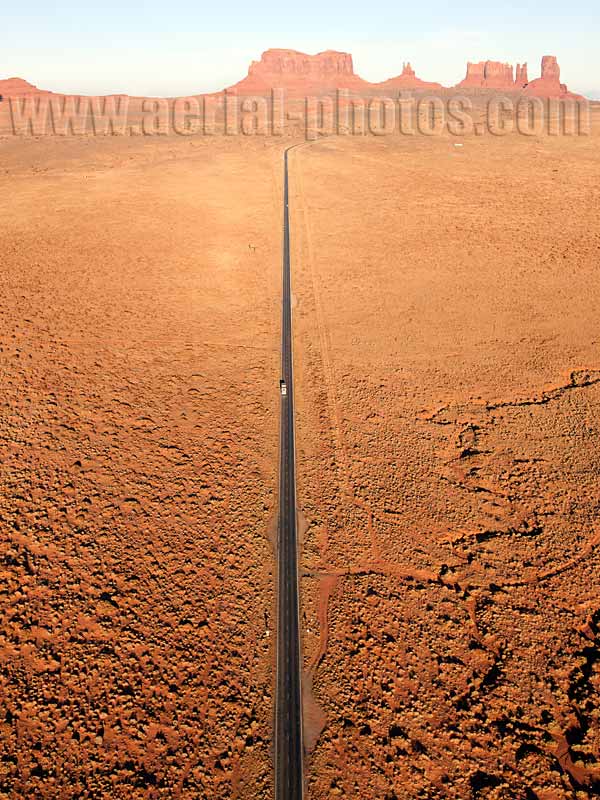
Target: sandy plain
<point>448,384</point>
<point>448,380</point>
<point>139,414</point>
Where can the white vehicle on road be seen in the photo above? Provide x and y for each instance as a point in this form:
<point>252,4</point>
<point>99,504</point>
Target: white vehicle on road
<point>283,388</point>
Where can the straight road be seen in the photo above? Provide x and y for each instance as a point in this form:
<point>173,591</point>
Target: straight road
<point>289,780</point>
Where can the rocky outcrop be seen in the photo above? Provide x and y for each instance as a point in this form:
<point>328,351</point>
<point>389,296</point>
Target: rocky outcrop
<point>550,68</point>
<point>290,62</point>
<point>295,71</point>
<point>549,84</point>
<point>498,76</point>
<point>17,87</point>
<point>408,80</point>
<point>521,76</point>
<point>299,74</point>
<point>489,75</point>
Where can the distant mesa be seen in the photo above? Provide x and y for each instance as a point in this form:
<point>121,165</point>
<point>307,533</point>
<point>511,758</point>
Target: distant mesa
<point>494,75</point>
<point>503,77</point>
<point>295,71</point>
<point>300,74</point>
<point>17,87</point>
<point>329,64</point>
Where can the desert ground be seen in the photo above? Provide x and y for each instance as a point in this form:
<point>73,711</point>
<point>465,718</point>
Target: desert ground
<point>447,388</point>
<point>139,420</point>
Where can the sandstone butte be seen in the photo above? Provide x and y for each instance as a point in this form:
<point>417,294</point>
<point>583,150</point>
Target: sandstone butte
<point>17,87</point>
<point>408,80</point>
<point>549,84</point>
<point>299,74</point>
<point>494,75</point>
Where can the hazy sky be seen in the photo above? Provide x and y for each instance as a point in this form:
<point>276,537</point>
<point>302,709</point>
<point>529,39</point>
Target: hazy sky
<point>184,47</point>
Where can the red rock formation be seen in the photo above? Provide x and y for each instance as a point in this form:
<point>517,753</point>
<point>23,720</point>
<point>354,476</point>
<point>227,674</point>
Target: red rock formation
<point>299,72</point>
<point>475,75</point>
<point>17,87</point>
<point>488,75</point>
<point>550,68</point>
<point>495,75</point>
<point>549,84</point>
<point>408,80</point>
<point>521,76</point>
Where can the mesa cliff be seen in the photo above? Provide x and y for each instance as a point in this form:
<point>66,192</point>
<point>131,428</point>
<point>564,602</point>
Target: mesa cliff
<point>301,74</point>
<point>295,71</point>
<point>17,87</point>
<point>505,77</point>
<point>494,75</point>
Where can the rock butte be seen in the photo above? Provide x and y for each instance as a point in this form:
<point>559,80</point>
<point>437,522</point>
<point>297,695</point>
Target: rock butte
<point>299,73</point>
<point>549,84</point>
<point>295,71</point>
<point>17,87</point>
<point>494,75</point>
<point>408,80</point>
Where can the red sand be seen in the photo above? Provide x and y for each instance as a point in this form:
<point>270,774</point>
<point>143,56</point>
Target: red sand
<point>448,379</point>
<point>138,452</point>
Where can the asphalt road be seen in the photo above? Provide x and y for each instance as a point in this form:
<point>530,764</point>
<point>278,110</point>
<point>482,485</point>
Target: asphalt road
<point>289,781</point>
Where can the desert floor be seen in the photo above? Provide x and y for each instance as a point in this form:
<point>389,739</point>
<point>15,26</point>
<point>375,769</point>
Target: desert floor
<point>448,360</point>
<point>139,303</point>
<point>448,384</point>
